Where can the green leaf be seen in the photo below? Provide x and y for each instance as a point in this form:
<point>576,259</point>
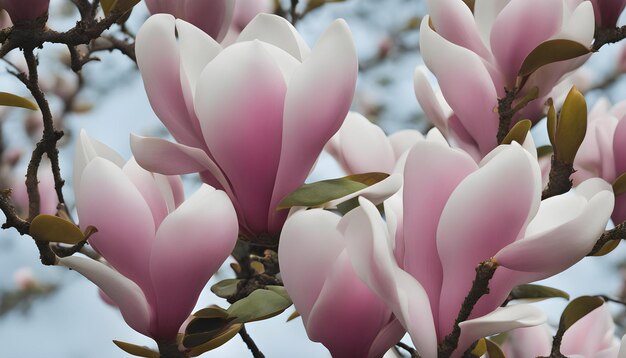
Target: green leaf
<point>208,322</point>
<point>54,229</point>
<point>518,133</point>
<point>227,335</point>
<point>578,309</point>
<point>259,305</point>
<point>572,126</point>
<point>480,349</point>
<point>225,288</point>
<point>11,100</point>
<point>314,4</point>
<point>293,316</point>
<point>536,293</point>
<point>493,350</point>
<point>108,6</point>
<point>607,248</point>
<point>136,350</point>
<point>549,52</point>
<point>552,121</point>
<point>544,150</point>
<point>619,185</point>
<point>321,192</point>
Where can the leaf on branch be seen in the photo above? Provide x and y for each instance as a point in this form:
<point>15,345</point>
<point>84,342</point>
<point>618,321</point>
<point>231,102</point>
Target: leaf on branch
<point>293,316</point>
<point>224,337</point>
<point>108,6</point>
<point>259,305</point>
<point>225,288</point>
<point>480,349</point>
<point>494,350</point>
<point>549,52</point>
<point>544,151</point>
<point>536,293</point>
<point>572,126</point>
<point>619,185</point>
<point>578,309</point>
<point>136,350</point>
<point>518,133</point>
<point>314,4</point>
<point>321,192</point>
<point>54,229</point>
<point>11,100</point>
<point>607,248</point>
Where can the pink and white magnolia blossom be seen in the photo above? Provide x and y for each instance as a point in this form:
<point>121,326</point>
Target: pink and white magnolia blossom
<point>337,309</point>
<point>608,11</point>
<point>25,10</point>
<point>603,151</point>
<point>476,55</point>
<point>247,10</point>
<point>161,249</point>
<point>593,336</point>
<point>457,214</point>
<point>361,146</point>
<point>252,118</point>
<point>211,16</point>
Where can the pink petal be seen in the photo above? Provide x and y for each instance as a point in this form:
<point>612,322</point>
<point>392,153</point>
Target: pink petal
<point>145,182</point>
<point>486,212</point>
<point>591,334</point>
<point>318,99</point>
<point>511,37</point>
<point>376,193</point>
<point>389,335</point>
<point>158,58</point>
<point>619,147</point>
<point>567,224</point>
<point>309,245</point>
<point>453,20</point>
<point>213,17</point>
<point>503,319</point>
<point>347,316</point>
<point>425,196</point>
<point>461,72</point>
<point>125,293</point>
<point>485,13</point>
<point>245,139</point>
<point>191,244</point>
<point>428,101</point>
<point>364,146</point>
<point>161,156</point>
<point>87,149</point>
<point>277,31</point>
<point>109,201</point>
<point>402,141</point>
<point>369,248</point>
<point>247,10</point>
<point>579,25</point>
<point>531,341</point>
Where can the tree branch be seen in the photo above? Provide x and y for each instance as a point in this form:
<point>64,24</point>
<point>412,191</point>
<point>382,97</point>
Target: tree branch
<point>256,353</point>
<point>617,233</point>
<point>604,35</point>
<point>559,179</point>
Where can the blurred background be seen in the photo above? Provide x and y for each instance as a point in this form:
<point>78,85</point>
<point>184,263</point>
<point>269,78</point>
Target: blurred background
<point>53,313</point>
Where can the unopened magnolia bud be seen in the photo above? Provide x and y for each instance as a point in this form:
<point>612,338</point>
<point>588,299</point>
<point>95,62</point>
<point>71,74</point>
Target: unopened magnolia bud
<point>24,278</point>
<point>571,127</point>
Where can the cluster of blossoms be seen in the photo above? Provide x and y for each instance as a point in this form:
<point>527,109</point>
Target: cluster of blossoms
<point>251,107</point>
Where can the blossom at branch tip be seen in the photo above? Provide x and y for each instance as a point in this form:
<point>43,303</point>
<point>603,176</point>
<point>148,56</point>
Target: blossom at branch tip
<point>603,151</point>
<point>593,336</point>
<point>213,17</point>
<point>25,10</point>
<point>161,249</point>
<point>361,146</point>
<point>252,118</point>
<point>457,214</point>
<point>337,309</point>
<point>607,12</point>
<point>476,55</point>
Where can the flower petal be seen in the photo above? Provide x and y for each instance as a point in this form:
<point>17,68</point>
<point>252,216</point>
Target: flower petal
<point>125,293</point>
<point>428,100</point>
<point>191,244</point>
<point>503,319</point>
<point>488,210</point>
<point>213,17</point>
<point>244,139</point>
<point>318,99</point>
<point>87,149</point>
<point>277,31</point>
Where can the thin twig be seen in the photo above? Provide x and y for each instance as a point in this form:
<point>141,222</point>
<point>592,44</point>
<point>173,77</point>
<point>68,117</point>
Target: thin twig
<point>256,353</point>
<point>617,233</point>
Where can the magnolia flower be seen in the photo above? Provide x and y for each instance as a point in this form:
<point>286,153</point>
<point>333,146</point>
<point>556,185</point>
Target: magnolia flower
<point>607,11</point>
<point>25,10</point>
<point>593,336</point>
<point>361,146</point>
<point>161,250</point>
<point>457,214</point>
<point>337,309</point>
<point>264,108</point>
<point>212,17</point>
<point>475,56</point>
<point>246,10</point>
<point>603,151</point>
